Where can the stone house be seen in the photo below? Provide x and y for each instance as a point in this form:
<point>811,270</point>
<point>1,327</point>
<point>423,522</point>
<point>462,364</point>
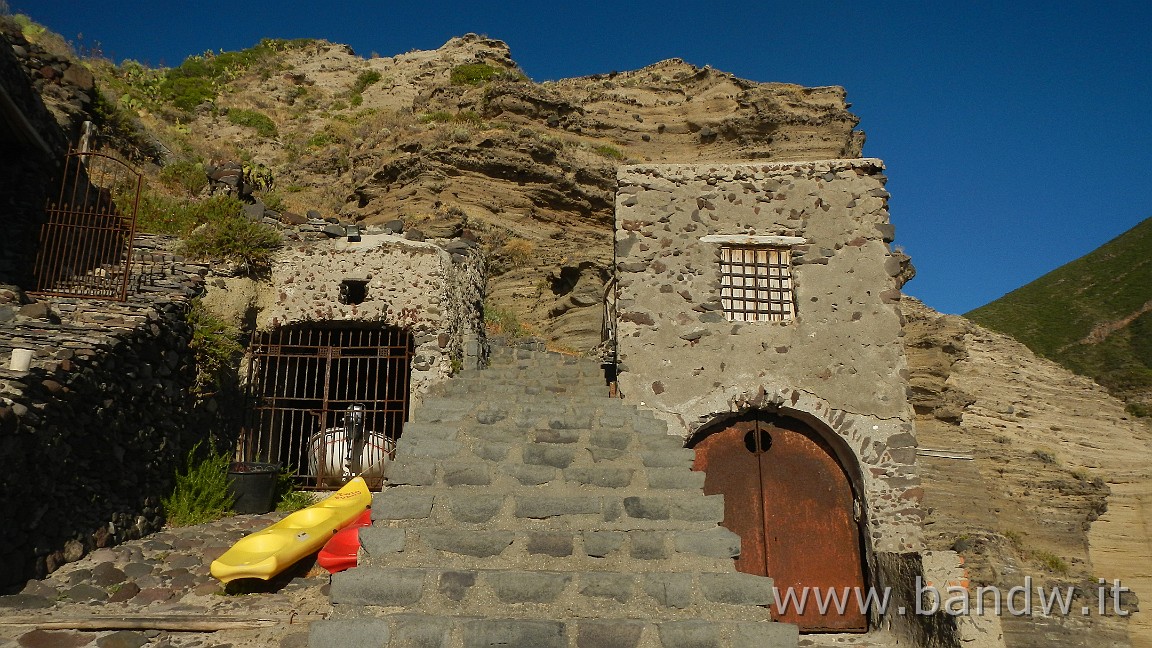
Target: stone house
<point>758,315</point>
<point>366,322</point>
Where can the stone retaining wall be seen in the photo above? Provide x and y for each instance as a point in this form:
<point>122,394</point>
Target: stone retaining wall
<point>92,432</point>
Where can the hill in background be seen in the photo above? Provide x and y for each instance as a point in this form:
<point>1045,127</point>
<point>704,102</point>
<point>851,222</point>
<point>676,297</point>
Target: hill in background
<point>1093,315</point>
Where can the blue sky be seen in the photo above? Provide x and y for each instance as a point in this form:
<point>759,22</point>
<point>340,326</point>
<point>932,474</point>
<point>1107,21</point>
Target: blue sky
<point>1018,136</point>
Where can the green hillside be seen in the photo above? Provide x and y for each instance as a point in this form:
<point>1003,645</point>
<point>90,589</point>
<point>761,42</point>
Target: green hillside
<point>1091,315</point>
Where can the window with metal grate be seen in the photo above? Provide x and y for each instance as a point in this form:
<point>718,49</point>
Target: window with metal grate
<point>756,283</point>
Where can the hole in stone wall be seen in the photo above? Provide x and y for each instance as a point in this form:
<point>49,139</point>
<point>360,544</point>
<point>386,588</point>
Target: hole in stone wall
<point>353,291</point>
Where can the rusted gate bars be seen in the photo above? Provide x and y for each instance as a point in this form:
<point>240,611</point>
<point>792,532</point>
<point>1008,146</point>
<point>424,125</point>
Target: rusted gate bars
<point>304,379</point>
<point>85,245</point>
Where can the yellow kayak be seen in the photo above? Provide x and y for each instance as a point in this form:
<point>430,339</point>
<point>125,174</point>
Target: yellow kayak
<point>272,550</point>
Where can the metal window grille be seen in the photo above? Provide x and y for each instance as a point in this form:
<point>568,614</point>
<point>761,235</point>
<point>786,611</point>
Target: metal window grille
<point>309,385</point>
<point>756,283</point>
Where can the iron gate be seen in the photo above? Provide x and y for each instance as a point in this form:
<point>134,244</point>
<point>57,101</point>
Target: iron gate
<point>86,244</point>
<point>312,387</point>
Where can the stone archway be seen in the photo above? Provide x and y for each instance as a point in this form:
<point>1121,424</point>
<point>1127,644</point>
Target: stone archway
<point>791,500</point>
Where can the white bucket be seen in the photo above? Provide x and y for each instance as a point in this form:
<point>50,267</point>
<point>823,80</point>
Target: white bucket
<point>21,359</point>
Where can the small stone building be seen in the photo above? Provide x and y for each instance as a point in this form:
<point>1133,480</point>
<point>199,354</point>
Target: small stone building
<point>367,322</point>
<point>758,314</point>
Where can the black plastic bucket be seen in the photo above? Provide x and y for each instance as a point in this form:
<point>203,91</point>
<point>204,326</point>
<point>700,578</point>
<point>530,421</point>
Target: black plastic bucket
<point>253,486</point>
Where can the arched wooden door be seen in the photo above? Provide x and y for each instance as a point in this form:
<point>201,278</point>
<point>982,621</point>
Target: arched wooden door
<point>791,503</point>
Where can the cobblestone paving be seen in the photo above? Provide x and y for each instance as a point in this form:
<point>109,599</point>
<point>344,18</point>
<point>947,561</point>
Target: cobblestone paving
<point>166,574</point>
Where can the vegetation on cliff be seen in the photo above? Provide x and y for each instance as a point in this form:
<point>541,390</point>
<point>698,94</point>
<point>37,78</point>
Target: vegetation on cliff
<point>1093,315</point>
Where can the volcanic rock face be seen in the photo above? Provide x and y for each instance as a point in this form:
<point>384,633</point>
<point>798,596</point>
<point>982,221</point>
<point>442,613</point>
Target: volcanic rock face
<point>528,168</point>
<point>1051,452</point>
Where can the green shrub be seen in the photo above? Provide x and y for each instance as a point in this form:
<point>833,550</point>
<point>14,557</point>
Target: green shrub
<point>472,74</point>
<point>1139,409</point>
<point>502,321</point>
<point>274,201</point>
<point>436,117</point>
<point>185,175</point>
<point>1051,561</point>
<point>609,151</point>
<point>199,77</point>
<point>262,123</point>
<point>364,80</point>
<point>294,500</point>
<point>201,491</point>
<point>161,214</point>
<point>234,238</point>
<point>356,100</point>
<point>322,138</point>
<point>188,92</point>
<point>215,347</point>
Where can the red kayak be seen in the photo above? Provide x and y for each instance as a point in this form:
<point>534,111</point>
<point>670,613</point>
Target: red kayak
<point>341,551</point>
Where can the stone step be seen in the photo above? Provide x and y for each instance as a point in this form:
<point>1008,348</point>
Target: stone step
<point>539,466</point>
<point>536,593</point>
<point>558,507</point>
<point>451,406</point>
<point>427,631</point>
<point>444,439</point>
<point>506,465</point>
<point>704,549</point>
<point>489,386</point>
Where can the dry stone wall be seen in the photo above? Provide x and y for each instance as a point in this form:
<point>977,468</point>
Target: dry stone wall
<point>838,363</point>
<point>93,429</point>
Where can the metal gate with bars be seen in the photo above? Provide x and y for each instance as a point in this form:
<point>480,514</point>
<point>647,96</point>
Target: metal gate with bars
<point>86,244</point>
<point>310,385</point>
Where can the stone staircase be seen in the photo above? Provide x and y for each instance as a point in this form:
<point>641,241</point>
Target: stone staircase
<point>528,509</point>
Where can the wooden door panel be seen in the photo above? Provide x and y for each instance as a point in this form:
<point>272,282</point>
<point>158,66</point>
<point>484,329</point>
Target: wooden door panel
<point>812,537</point>
<point>791,503</point>
<point>733,471</point>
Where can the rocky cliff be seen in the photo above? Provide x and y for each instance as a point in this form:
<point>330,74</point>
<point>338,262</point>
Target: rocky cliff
<point>457,140</point>
<point>1042,474</point>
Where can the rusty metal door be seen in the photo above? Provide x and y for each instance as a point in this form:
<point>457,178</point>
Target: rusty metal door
<point>791,503</point>
<point>85,247</point>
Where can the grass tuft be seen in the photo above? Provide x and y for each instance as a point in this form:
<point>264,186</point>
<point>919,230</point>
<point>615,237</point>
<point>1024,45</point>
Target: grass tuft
<point>472,74</point>
<point>253,119</point>
<point>234,238</point>
<point>201,491</point>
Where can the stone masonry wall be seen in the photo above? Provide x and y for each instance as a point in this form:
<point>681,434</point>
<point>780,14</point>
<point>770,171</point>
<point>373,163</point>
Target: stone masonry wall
<point>838,364</point>
<point>93,431</point>
<point>28,134</point>
<point>431,290</point>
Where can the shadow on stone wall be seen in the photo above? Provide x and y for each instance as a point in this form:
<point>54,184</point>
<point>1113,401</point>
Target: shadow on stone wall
<point>96,427</point>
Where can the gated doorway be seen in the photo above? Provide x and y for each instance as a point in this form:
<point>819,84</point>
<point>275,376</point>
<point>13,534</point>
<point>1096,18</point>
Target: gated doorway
<point>791,501</point>
<point>314,387</point>
<point>85,247</point>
